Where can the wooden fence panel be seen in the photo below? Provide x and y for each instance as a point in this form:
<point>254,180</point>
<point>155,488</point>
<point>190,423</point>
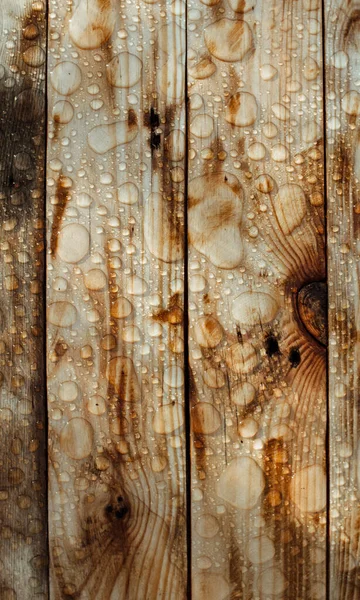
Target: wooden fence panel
<point>115,299</point>
<point>23,489</point>
<point>257,299</point>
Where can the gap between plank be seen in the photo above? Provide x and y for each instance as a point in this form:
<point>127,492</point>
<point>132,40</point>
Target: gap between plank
<point>186,330</point>
<point>327,437</point>
<point>46,419</point>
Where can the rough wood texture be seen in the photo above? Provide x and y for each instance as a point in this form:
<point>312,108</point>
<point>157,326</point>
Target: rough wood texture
<point>115,300</point>
<point>23,510</point>
<point>256,233</point>
<point>342,45</point>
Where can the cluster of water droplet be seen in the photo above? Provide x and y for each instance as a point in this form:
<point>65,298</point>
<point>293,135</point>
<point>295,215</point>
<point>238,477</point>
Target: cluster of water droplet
<point>343,209</point>
<point>23,546</point>
<point>116,274</point>
<point>255,225</point>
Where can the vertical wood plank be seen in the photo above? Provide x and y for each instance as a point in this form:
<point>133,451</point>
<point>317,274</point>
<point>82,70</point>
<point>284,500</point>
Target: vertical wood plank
<point>257,299</point>
<point>115,299</point>
<point>23,511</point>
<point>342,46</point>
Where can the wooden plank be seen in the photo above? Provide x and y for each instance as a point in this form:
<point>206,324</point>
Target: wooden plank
<point>257,299</point>
<point>342,110</point>
<point>23,531</point>
<point>115,301</point>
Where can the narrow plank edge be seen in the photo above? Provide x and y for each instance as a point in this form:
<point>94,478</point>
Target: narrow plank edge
<point>23,487</point>
<point>342,32</point>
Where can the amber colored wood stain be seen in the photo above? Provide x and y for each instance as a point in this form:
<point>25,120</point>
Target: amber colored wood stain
<point>179,346</point>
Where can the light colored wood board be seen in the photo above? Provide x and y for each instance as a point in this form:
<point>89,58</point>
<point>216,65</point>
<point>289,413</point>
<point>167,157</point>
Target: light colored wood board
<point>115,300</point>
<point>256,234</point>
<point>342,45</point>
<point>23,512</point>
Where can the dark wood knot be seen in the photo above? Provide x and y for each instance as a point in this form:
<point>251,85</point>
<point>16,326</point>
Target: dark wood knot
<point>312,308</point>
<point>118,510</point>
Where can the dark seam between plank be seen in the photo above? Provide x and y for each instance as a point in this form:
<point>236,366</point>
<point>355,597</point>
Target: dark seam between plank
<point>327,437</point>
<point>46,416</point>
<point>186,330</point>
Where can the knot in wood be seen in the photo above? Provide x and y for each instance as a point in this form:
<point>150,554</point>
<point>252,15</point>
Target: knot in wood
<point>312,307</point>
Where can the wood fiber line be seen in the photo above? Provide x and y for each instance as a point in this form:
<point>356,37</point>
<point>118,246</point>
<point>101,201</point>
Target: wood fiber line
<point>23,504</point>
<point>115,358</point>
<point>257,299</point>
<point>342,45</point>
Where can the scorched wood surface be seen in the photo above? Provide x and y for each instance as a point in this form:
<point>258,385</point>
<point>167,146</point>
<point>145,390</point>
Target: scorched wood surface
<point>23,505</point>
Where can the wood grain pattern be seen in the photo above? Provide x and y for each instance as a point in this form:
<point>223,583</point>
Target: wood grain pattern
<point>256,234</point>
<point>115,300</point>
<point>258,299</point>
<point>342,44</point>
<point>23,510</point>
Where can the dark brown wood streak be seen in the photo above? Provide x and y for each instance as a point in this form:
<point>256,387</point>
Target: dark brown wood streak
<point>61,199</point>
<point>23,488</point>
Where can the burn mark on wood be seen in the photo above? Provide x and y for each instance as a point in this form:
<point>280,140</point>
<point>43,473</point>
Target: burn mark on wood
<point>22,147</point>
<point>19,116</point>
<point>271,345</point>
<point>239,334</point>
<point>155,140</point>
<point>312,307</point>
<point>152,121</point>
<point>132,118</point>
<point>121,512</point>
<point>294,357</point>
<point>118,510</point>
<point>62,198</point>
